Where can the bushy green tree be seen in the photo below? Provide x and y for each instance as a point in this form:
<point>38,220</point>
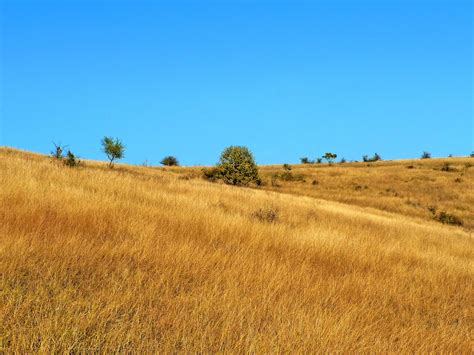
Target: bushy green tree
<point>169,161</point>
<point>237,166</point>
<point>113,148</point>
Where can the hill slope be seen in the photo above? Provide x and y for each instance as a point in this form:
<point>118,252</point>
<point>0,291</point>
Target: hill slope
<point>145,259</point>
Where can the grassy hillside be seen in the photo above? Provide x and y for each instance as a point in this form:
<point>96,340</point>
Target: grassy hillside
<point>147,259</point>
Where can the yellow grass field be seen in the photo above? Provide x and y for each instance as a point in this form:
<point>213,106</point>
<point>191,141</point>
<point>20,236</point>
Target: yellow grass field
<point>147,259</point>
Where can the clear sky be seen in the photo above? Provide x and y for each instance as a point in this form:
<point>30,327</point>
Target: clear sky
<point>285,78</point>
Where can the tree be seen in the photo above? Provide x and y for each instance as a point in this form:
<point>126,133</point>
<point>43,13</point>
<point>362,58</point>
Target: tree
<point>329,157</point>
<point>426,155</point>
<point>169,161</point>
<point>57,153</point>
<point>237,166</point>
<point>304,160</point>
<point>376,157</point>
<point>113,148</point>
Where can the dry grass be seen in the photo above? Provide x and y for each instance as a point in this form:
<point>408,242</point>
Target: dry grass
<point>141,259</point>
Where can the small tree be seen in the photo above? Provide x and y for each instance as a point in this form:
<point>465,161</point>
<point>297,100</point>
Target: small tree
<point>365,158</point>
<point>329,157</point>
<point>304,160</point>
<point>287,167</point>
<point>472,155</point>
<point>169,161</point>
<point>343,160</point>
<point>426,155</point>
<point>319,160</point>
<point>57,152</point>
<point>238,167</point>
<point>113,148</point>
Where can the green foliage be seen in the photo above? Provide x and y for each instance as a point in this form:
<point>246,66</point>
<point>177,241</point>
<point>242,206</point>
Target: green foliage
<point>212,174</point>
<point>71,160</point>
<point>57,152</point>
<point>329,157</point>
<point>426,155</point>
<point>169,161</point>
<point>375,157</point>
<point>113,148</point>
<point>238,167</point>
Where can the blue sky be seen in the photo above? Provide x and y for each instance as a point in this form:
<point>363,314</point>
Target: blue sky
<point>285,78</point>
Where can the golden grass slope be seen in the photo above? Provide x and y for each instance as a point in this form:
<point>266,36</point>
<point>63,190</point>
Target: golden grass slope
<point>140,259</point>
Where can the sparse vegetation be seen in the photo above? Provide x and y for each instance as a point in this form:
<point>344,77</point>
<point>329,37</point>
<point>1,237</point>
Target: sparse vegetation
<point>169,161</point>
<point>305,160</point>
<point>57,152</point>
<point>113,148</point>
<point>268,215</point>
<point>71,160</point>
<point>374,158</point>
<point>446,167</point>
<point>329,157</point>
<point>444,217</point>
<point>426,155</point>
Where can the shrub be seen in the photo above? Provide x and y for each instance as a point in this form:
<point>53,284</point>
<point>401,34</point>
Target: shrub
<point>446,167</point>
<point>211,174</point>
<point>472,155</point>
<point>305,160</point>
<point>375,157</point>
<point>319,160</point>
<point>343,160</point>
<point>287,167</point>
<point>445,217</point>
<point>329,157</point>
<point>268,215</point>
<point>71,160</point>
<point>426,155</point>
<point>57,152</point>
<point>169,161</point>
<point>113,148</point>
<point>238,166</point>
